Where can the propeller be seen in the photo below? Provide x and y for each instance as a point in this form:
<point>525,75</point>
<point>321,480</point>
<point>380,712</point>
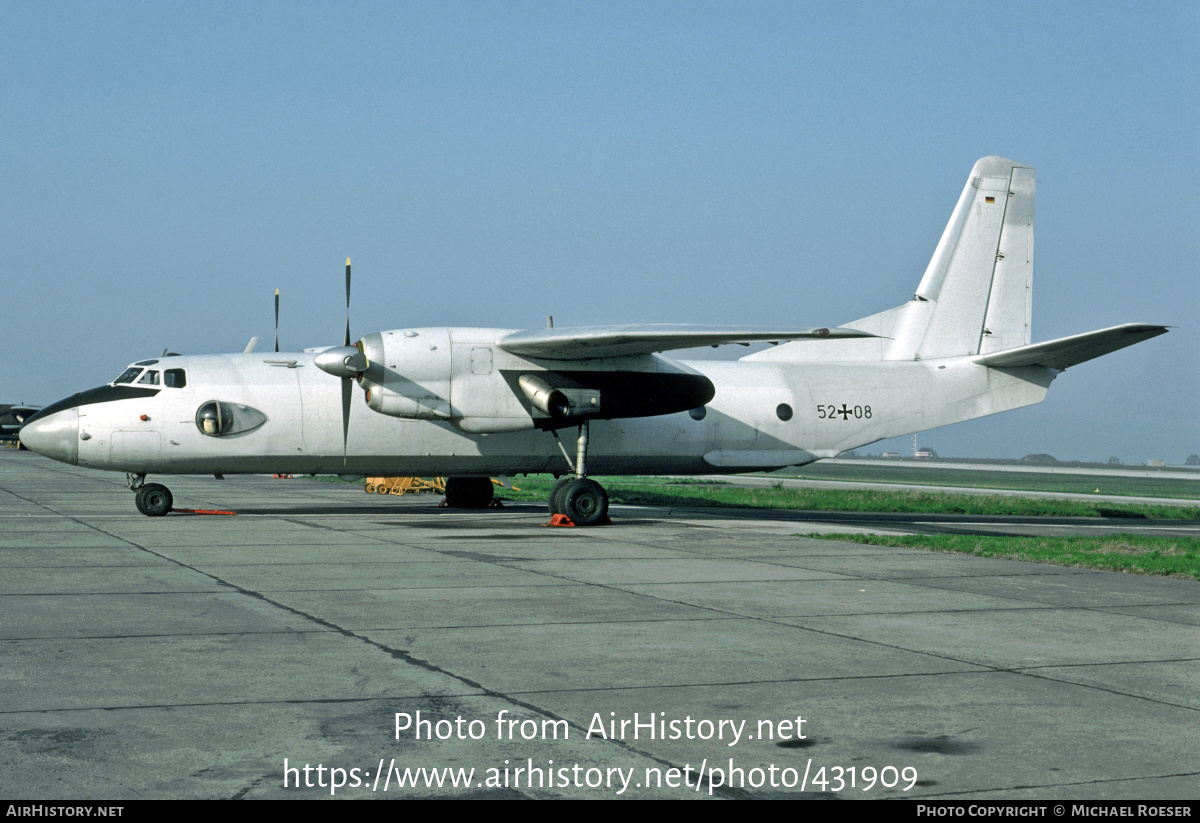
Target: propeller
<point>345,362</point>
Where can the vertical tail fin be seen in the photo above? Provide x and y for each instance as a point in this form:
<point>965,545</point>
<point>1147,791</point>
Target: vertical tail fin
<point>976,295</point>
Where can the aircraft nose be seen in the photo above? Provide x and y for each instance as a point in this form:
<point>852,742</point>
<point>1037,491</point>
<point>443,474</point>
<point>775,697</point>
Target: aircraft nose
<point>55,435</point>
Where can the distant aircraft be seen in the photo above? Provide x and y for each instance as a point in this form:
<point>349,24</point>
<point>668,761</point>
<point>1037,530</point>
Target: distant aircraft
<point>12,418</point>
<point>476,402</point>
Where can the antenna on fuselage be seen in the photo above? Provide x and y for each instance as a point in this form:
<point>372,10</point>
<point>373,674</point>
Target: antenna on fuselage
<point>276,320</point>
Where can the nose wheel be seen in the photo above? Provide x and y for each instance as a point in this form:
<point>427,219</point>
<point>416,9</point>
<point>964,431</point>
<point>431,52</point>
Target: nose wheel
<point>152,499</point>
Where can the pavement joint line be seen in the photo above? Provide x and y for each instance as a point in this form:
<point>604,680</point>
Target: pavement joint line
<point>298,701</point>
<point>468,626</point>
<point>1111,609</point>
<point>164,635</point>
<point>1065,785</point>
<point>1113,663</point>
<point>848,678</point>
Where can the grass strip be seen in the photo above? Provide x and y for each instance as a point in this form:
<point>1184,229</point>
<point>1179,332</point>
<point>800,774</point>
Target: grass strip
<point>1168,556</point>
<point>1081,483</point>
<point>671,492</point>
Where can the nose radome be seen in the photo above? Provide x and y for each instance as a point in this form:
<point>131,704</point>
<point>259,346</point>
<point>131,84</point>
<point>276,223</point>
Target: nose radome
<point>55,436</point>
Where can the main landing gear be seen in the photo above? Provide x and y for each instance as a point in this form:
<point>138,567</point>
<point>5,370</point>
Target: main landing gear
<point>153,499</point>
<point>580,499</point>
<point>469,492</point>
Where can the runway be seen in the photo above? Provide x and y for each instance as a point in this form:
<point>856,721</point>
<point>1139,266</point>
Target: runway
<point>198,656</point>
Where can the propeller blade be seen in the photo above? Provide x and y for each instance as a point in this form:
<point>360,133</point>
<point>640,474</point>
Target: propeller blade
<point>347,390</point>
<point>347,342</point>
<point>276,319</point>
<point>350,363</point>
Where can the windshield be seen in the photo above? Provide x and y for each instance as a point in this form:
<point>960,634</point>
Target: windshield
<point>128,375</point>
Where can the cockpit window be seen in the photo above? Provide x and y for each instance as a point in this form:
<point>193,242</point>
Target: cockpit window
<point>129,375</point>
<point>150,378</point>
<point>174,378</point>
<point>145,362</point>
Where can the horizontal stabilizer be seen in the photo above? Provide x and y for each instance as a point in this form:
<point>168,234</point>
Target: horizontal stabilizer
<point>1067,351</point>
<point>584,343</point>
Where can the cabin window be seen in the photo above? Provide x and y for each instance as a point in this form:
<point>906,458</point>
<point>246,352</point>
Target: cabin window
<point>174,378</point>
<point>698,413</point>
<point>783,411</point>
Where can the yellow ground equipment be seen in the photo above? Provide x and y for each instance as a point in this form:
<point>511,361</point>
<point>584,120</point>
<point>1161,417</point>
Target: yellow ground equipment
<point>403,485</point>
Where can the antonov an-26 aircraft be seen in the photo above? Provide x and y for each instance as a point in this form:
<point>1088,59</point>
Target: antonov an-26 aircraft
<point>472,403</point>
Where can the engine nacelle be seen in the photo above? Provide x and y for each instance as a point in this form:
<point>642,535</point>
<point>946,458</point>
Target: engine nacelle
<point>396,404</point>
<point>408,373</point>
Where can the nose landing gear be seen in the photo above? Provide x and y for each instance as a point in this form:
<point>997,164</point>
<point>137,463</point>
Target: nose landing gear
<point>152,499</point>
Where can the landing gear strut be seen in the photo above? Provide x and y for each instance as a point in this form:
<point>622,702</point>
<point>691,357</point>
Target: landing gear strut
<point>578,497</point>
<point>152,499</point>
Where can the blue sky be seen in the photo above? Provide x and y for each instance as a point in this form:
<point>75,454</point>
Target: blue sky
<point>167,166</point>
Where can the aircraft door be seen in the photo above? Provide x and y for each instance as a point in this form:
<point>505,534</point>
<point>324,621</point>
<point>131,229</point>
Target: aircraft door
<point>320,420</point>
<point>138,450</point>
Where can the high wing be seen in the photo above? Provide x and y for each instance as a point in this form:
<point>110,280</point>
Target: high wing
<point>1065,352</point>
<point>587,342</point>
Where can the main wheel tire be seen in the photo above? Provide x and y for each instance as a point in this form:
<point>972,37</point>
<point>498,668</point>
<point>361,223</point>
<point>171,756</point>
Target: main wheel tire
<point>555,500</point>
<point>585,502</point>
<point>154,500</point>
<point>469,492</point>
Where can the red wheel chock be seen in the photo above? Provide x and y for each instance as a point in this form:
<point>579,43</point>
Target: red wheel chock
<point>565,522</point>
